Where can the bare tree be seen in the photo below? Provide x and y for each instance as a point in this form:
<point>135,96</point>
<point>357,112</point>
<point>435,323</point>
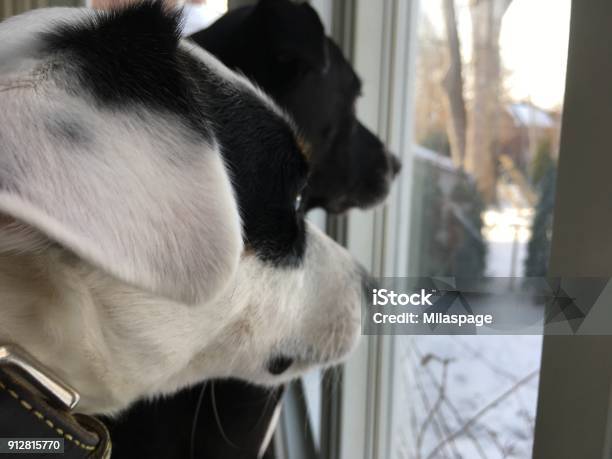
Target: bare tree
<point>471,132</point>
<point>431,116</point>
<point>453,86</point>
<point>487,18</point>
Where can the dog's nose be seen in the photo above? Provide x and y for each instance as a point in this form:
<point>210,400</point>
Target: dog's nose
<point>396,164</point>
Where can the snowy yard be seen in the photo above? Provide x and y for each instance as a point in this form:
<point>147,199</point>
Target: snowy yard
<point>474,397</point>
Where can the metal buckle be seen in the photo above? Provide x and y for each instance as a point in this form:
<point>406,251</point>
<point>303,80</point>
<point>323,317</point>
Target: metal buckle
<point>39,376</point>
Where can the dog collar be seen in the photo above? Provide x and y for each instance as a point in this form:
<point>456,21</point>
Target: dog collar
<point>35,405</point>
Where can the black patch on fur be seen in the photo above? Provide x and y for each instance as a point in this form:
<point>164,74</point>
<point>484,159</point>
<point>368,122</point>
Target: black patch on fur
<point>127,56</point>
<point>267,167</point>
<point>279,364</point>
<point>132,56</point>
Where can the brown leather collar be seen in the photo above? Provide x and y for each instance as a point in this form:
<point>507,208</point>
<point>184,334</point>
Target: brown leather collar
<point>30,410</point>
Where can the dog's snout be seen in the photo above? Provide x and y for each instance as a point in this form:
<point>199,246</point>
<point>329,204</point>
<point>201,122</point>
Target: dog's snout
<point>396,164</point>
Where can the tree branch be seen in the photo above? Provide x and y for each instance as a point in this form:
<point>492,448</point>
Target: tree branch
<point>482,412</point>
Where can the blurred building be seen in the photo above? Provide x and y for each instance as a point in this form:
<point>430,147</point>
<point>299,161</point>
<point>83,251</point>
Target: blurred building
<point>525,129</point>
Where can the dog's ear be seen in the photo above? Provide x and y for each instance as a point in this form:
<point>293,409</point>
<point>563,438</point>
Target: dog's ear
<point>168,226</point>
<point>103,156</point>
<point>295,34</point>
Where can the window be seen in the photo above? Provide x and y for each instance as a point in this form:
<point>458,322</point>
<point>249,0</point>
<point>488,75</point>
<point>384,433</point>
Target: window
<point>487,118</point>
<point>470,95</point>
<point>476,116</point>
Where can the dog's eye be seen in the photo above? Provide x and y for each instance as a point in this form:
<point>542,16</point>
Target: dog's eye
<point>297,205</point>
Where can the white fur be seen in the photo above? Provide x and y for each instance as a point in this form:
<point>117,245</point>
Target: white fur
<point>132,170</point>
<point>20,40</point>
<point>101,252</point>
<point>115,343</point>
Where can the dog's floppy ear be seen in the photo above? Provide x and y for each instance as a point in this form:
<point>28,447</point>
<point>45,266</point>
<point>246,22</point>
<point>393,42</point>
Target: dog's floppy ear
<point>295,33</point>
<point>119,174</point>
<point>120,201</point>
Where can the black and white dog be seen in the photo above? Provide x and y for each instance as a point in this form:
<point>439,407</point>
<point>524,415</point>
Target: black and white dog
<point>282,46</point>
<point>152,231</point>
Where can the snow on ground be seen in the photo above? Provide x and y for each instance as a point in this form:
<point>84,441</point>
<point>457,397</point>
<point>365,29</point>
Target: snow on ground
<point>506,231</point>
<point>479,391</point>
<point>474,397</point>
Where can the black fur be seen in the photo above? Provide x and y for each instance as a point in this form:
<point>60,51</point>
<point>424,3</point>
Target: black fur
<point>127,57</point>
<point>271,43</point>
<point>230,427</point>
<point>267,166</point>
<point>279,364</point>
<point>132,58</point>
<point>281,46</point>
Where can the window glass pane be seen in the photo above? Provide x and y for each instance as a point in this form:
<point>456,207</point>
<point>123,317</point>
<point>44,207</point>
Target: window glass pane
<point>489,90</point>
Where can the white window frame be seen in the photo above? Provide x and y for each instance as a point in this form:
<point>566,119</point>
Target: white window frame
<point>384,49</point>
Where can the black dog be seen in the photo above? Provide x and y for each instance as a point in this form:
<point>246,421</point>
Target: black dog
<point>282,47</point>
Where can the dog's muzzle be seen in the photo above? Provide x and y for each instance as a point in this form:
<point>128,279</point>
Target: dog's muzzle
<point>35,404</point>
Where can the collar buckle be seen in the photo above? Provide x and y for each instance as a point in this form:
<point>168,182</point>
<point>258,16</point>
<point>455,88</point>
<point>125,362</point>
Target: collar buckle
<point>36,374</point>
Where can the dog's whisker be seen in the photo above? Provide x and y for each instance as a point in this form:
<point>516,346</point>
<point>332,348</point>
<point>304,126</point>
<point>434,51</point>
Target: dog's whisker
<point>218,419</point>
<point>194,424</point>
